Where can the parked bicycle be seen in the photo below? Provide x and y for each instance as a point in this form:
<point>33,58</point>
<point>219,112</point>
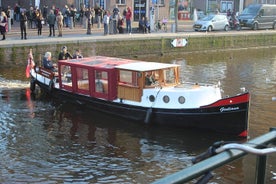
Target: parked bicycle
<point>161,25</point>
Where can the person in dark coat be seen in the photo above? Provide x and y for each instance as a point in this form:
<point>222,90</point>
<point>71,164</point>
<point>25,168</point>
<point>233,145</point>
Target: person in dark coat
<point>47,62</point>
<point>51,21</point>
<point>23,25</point>
<point>64,54</point>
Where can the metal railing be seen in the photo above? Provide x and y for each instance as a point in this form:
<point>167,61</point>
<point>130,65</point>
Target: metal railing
<point>222,155</point>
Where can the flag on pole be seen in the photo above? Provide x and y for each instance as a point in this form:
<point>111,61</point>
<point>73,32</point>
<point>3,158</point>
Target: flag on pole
<point>30,63</point>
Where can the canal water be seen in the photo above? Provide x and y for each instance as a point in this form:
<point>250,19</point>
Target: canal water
<point>45,142</point>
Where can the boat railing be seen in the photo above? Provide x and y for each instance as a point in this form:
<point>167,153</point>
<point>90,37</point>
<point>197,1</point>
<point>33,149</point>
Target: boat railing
<point>220,154</point>
<point>199,83</point>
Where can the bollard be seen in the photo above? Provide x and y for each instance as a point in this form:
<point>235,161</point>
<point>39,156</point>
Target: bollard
<point>9,24</point>
<point>173,28</point>
<point>71,23</point>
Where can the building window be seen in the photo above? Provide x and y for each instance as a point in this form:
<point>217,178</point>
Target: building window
<point>120,1</point>
<point>159,2</point>
<point>226,5</point>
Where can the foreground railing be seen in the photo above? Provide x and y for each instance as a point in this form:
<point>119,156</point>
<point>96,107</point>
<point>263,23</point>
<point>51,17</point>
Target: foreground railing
<point>225,154</point>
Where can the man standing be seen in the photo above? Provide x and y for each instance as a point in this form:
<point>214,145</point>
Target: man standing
<point>128,20</point>
<point>51,21</point>
<point>23,24</point>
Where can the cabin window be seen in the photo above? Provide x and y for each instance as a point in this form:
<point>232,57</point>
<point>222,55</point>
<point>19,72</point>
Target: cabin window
<point>169,76</point>
<point>101,82</point>
<point>129,77</point>
<point>82,78</point>
<point>66,75</point>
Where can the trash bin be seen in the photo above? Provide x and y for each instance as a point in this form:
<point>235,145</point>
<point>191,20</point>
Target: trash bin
<point>173,28</point>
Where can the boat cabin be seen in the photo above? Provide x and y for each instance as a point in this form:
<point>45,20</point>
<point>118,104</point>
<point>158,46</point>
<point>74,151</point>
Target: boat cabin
<point>111,78</point>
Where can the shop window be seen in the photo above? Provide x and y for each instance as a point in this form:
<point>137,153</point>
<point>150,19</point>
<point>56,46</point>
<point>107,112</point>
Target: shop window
<point>159,2</point>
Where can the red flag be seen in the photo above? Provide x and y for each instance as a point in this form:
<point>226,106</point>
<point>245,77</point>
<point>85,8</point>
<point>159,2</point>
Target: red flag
<point>30,63</point>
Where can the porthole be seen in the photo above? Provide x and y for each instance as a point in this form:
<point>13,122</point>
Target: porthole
<point>151,98</point>
<point>166,99</point>
<point>181,100</point>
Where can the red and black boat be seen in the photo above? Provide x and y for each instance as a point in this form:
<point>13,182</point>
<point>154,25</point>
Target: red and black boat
<point>147,92</point>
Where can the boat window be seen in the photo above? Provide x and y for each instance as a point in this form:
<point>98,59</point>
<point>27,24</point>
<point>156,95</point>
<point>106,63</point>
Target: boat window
<point>129,77</point>
<point>101,82</point>
<point>66,75</point>
<point>82,78</point>
<point>169,76</point>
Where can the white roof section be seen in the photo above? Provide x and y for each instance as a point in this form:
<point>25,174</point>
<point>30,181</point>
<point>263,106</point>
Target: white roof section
<point>142,66</point>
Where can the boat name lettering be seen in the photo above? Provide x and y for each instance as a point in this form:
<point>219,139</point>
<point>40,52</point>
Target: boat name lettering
<point>223,109</point>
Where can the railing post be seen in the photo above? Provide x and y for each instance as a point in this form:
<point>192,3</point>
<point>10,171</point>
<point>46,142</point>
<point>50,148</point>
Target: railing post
<point>260,169</point>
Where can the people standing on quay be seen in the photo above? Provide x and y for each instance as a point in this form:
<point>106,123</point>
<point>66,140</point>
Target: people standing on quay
<point>17,12</point>
<point>23,25</point>
<point>3,24</point>
<point>39,19</point>
<point>120,24</point>
<point>128,20</point>
<point>88,15</point>
<point>106,22</point>
<point>66,15</point>
<point>51,21</point>
<point>59,23</point>
<point>115,18</point>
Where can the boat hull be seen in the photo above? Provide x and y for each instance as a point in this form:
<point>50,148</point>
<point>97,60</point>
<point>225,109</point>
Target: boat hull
<point>232,121</point>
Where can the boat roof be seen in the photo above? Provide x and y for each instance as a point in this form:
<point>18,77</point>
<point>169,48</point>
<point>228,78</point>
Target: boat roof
<point>113,62</point>
<point>143,66</point>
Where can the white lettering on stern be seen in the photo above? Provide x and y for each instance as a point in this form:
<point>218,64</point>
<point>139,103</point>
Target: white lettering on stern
<point>223,109</point>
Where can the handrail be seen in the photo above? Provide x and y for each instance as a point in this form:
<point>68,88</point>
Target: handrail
<point>216,161</point>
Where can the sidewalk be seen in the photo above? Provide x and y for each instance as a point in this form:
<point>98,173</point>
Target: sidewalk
<point>80,31</point>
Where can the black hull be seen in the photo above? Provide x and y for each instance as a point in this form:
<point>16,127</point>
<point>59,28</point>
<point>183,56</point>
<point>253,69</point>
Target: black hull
<point>210,118</point>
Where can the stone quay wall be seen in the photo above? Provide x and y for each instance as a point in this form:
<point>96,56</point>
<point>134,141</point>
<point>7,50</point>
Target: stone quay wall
<point>135,46</point>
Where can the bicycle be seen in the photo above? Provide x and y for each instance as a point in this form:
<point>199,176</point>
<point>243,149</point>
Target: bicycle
<point>157,26</point>
<point>160,26</point>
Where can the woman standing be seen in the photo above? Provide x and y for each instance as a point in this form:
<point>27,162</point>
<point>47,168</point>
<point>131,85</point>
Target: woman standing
<point>59,23</point>
<point>3,24</point>
<point>39,19</point>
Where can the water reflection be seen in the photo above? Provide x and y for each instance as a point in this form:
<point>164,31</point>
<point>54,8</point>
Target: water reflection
<point>46,142</point>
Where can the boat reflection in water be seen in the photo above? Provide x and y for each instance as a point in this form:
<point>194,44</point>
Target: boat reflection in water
<point>62,143</point>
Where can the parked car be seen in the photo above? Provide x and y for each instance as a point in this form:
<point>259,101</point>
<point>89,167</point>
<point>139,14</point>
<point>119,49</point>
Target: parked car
<point>212,22</point>
<point>258,16</point>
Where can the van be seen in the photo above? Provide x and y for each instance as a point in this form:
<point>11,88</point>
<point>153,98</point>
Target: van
<point>258,16</point>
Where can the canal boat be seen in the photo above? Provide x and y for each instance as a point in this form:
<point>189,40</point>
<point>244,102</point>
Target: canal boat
<point>147,92</point>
